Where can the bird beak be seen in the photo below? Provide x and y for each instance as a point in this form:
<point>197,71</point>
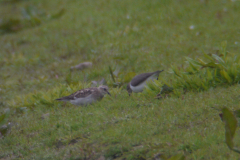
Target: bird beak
<point>109,93</point>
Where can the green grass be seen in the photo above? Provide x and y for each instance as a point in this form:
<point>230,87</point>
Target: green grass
<point>139,36</point>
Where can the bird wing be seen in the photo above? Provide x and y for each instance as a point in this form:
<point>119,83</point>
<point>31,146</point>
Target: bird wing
<point>83,93</point>
<point>138,79</point>
<point>79,94</point>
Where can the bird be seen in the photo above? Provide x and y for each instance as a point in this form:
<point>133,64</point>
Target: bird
<point>86,96</point>
<point>139,81</point>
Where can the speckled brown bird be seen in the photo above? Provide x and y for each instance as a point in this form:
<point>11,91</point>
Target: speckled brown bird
<point>86,96</point>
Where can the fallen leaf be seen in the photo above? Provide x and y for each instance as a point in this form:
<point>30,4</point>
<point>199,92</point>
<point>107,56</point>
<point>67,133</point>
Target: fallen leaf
<point>82,66</point>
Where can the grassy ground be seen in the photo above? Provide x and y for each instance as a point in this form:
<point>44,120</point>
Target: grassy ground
<point>140,36</point>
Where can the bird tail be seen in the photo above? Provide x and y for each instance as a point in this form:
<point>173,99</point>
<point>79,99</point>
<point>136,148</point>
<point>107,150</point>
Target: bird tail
<point>159,71</point>
<point>62,99</point>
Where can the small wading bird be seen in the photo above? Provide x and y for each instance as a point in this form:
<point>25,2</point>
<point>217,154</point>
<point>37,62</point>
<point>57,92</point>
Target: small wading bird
<point>86,96</point>
<point>139,81</point>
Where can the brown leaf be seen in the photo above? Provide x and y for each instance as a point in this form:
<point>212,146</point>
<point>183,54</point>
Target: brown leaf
<point>82,66</point>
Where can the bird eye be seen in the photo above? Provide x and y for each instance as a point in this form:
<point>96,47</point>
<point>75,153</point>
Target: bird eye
<point>105,89</point>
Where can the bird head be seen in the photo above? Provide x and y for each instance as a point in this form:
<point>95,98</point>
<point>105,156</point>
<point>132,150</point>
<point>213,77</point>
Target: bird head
<point>104,90</point>
<point>129,89</point>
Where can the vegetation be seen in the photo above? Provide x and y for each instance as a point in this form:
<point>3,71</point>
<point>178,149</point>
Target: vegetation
<point>199,75</point>
<point>176,117</point>
<point>230,128</point>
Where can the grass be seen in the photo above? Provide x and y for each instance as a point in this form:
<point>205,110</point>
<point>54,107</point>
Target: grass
<point>138,36</point>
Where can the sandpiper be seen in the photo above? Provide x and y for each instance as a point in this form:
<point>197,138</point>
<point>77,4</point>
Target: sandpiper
<point>86,96</point>
<point>139,81</point>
